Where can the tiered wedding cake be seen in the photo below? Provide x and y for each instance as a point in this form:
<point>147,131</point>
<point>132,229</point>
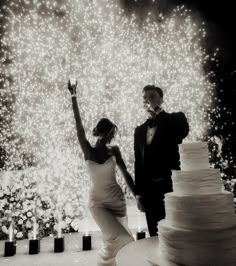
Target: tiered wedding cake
<point>200,224</point>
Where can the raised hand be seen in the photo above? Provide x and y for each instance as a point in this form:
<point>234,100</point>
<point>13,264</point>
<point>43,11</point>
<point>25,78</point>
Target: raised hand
<point>72,87</point>
<point>84,143</point>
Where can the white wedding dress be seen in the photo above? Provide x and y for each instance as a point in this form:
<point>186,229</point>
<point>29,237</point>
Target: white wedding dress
<point>108,208</point>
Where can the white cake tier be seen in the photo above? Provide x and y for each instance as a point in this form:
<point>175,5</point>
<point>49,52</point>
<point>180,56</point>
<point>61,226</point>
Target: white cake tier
<point>200,212</point>
<point>196,248</point>
<point>194,156</point>
<point>197,182</point>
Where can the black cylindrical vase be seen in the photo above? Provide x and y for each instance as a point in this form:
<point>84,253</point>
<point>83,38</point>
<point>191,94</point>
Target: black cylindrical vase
<point>87,243</point>
<point>34,246</point>
<point>10,248</point>
<point>59,244</point>
<point>140,235</point>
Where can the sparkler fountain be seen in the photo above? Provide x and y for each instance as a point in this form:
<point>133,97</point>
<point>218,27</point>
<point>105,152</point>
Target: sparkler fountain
<point>59,245</point>
<point>140,233</point>
<point>34,243</point>
<point>86,238</point>
<point>10,244</point>
<point>112,57</point>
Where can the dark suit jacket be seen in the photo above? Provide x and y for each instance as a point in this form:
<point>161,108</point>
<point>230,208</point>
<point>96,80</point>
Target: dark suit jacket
<point>162,155</point>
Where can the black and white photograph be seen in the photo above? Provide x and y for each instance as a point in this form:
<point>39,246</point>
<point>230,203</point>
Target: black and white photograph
<point>117,133</point>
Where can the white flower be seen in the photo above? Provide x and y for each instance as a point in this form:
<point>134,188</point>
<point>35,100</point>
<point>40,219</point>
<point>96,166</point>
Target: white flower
<point>1,194</point>
<point>18,205</point>
<point>15,214</point>
<point>20,221</point>
<point>28,224</point>
<point>29,214</point>
<point>68,220</point>
<point>13,189</point>
<point>19,235</point>
<point>11,199</point>
<point>47,225</point>
<point>4,229</point>
<point>75,224</point>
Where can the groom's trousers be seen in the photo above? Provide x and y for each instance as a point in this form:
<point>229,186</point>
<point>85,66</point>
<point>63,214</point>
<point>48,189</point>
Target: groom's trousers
<point>153,201</point>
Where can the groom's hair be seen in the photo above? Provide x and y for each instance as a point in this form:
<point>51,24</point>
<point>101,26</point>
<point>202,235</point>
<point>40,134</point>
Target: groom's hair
<point>152,87</point>
<point>103,126</point>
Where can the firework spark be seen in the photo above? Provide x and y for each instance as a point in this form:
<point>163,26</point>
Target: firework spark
<point>113,57</point>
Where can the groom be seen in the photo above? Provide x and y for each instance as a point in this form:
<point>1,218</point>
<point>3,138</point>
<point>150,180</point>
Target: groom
<point>156,154</point>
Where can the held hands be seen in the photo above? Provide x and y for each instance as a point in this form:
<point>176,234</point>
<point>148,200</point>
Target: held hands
<point>72,88</point>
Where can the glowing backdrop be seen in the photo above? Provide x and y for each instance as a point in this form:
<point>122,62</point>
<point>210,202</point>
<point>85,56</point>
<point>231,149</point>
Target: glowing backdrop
<point>112,56</point>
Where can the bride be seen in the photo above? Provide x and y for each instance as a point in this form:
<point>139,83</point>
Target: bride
<point>106,200</point>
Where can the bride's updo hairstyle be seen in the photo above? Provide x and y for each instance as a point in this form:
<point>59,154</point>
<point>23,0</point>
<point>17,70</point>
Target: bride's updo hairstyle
<point>103,127</point>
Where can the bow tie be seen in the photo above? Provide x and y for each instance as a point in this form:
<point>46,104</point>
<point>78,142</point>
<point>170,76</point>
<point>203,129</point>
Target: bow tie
<point>152,122</point>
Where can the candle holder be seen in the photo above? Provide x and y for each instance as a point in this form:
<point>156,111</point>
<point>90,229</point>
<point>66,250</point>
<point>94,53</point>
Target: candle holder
<point>34,246</point>
<point>59,244</point>
<point>10,248</point>
<point>140,235</point>
<point>87,242</point>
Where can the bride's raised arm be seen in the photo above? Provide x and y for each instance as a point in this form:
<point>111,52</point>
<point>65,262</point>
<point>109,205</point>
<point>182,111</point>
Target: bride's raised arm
<point>84,143</point>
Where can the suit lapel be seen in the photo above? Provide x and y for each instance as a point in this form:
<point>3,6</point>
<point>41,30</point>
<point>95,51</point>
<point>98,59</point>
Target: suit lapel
<point>160,125</point>
<point>143,133</point>
<point>142,141</point>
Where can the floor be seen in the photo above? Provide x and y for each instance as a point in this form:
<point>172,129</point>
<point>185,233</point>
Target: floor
<point>141,253</point>
<point>73,254</point>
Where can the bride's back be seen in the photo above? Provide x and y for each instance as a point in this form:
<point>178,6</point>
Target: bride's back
<point>102,174</point>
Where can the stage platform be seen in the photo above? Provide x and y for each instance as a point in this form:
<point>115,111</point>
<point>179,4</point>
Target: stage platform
<point>73,254</point>
<point>143,252</point>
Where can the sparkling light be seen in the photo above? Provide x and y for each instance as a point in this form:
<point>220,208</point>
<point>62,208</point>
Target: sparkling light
<point>113,57</point>
<point>11,233</point>
<point>140,219</point>
<point>59,230</point>
<point>35,229</point>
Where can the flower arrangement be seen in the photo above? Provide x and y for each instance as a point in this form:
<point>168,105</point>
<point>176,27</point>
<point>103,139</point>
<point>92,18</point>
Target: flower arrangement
<point>22,204</point>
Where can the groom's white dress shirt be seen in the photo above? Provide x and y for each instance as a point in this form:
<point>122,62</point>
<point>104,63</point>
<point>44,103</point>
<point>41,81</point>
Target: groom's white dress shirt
<point>152,130</point>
